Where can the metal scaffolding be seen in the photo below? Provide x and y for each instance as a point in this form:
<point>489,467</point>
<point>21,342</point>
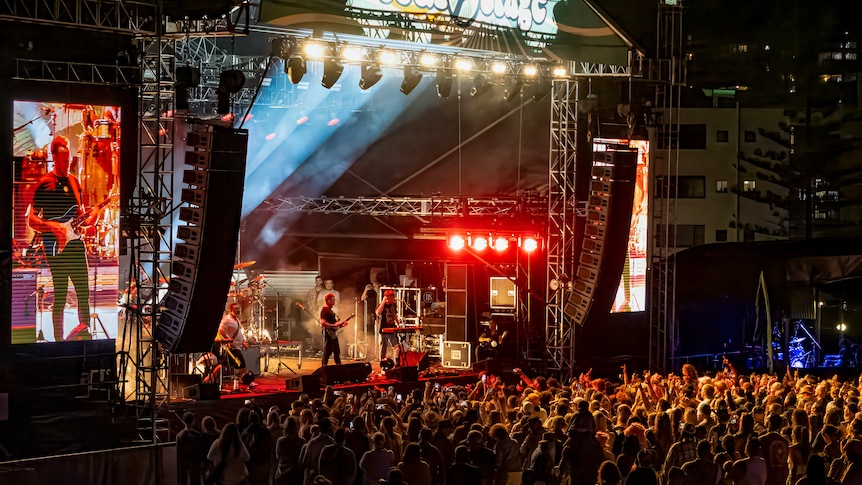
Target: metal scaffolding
<point>439,206</point>
<point>670,78</point>
<point>560,239</point>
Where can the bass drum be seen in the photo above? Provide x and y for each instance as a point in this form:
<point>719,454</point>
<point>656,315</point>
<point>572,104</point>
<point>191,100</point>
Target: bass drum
<point>797,356</point>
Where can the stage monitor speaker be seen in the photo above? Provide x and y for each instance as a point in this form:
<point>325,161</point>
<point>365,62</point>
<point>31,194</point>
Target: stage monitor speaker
<point>343,373</point>
<point>190,321</point>
<point>179,383</point>
<point>403,374</point>
<point>202,392</point>
<point>252,359</point>
<point>309,383</point>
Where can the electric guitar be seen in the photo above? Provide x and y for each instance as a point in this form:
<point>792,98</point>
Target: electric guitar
<point>70,225</point>
<point>332,332</point>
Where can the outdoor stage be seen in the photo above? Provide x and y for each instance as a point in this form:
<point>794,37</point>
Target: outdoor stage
<point>283,387</point>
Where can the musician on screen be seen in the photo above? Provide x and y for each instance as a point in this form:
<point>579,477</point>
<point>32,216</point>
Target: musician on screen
<point>387,312</point>
<point>329,322</point>
<point>231,338</point>
<point>57,211</point>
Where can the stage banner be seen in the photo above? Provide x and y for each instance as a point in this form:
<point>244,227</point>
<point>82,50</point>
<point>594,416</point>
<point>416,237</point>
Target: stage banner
<point>571,29</point>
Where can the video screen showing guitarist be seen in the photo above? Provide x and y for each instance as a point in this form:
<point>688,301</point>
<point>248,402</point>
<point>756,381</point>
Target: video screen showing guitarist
<point>56,204</point>
<point>329,322</point>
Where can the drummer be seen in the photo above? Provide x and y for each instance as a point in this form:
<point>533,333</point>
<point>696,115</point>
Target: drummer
<point>231,337</point>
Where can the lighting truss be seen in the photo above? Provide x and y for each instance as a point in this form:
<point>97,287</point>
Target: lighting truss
<point>76,72</point>
<point>117,15</point>
<point>442,206</point>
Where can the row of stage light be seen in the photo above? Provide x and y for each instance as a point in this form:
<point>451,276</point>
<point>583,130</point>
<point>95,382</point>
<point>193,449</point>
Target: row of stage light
<point>481,242</point>
<point>534,78</point>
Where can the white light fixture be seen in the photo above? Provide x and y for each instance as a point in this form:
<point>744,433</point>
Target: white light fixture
<point>530,70</point>
<point>559,72</point>
<point>463,64</point>
<point>498,67</point>
<point>314,50</point>
<point>428,59</point>
<point>352,53</point>
<point>388,57</point>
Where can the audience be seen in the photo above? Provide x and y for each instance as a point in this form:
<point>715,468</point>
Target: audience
<point>696,428</point>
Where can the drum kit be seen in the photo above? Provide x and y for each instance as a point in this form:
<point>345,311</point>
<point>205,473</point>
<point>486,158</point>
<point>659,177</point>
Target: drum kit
<point>248,293</point>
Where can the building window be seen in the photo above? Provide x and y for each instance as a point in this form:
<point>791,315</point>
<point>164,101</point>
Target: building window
<point>721,235</point>
<point>721,136</point>
<point>689,137</point>
<point>750,137</point>
<point>748,186</point>
<point>721,185</point>
<point>683,187</point>
<point>687,235</point>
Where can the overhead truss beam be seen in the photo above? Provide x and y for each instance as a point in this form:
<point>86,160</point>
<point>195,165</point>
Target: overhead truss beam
<point>411,206</point>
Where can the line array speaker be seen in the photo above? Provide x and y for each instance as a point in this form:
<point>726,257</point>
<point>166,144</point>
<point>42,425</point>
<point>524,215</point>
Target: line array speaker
<point>203,262</point>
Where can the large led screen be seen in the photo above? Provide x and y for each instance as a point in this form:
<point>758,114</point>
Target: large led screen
<point>631,293</point>
<point>66,222</point>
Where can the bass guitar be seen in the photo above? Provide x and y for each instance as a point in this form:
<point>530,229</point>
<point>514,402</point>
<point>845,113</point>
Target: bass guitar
<point>70,225</point>
<point>333,331</point>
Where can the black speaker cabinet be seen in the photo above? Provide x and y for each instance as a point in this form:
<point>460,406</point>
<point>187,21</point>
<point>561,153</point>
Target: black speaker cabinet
<point>202,392</point>
<point>309,383</point>
<point>343,373</point>
<point>403,374</point>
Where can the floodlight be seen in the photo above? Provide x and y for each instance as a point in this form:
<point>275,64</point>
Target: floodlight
<point>332,69</point>
<point>444,82</point>
<point>412,76</point>
<point>369,75</point>
<point>480,85</point>
<point>295,68</point>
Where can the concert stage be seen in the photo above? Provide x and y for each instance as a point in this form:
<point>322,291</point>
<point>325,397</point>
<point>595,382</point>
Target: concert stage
<point>282,389</point>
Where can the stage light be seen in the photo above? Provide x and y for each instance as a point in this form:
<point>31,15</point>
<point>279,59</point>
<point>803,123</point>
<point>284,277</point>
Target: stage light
<point>529,244</point>
<point>501,244</point>
<point>480,85</point>
<point>842,327</point>
<point>412,76</point>
<point>388,57</point>
<point>352,53</point>
<point>369,75</point>
<point>295,68</point>
<point>530,70</point>
<point>429,60</point>
<point>315,50</point>
<point>513,88</point>
<point>456,242</point>
<point>332,69</point>
<point>444,82</point>
<point>499,67</point>
<point>540,89</point>
<point>559,72</point>
<point>480,243</point>
<point>230,82</point>
<point>463,64</point>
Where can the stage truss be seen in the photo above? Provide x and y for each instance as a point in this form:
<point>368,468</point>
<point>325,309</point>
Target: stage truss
<point>560,240</point>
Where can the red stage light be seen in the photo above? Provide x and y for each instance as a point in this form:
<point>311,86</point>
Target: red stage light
<point>501,244</point>
<point>456,242</point>
<point>302,120</point>
<point>530,244</point>
<point>271,136</point>
<point>480,243</point>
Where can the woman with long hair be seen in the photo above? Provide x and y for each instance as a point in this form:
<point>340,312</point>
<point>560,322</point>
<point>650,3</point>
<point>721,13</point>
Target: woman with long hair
<point>228,455</point>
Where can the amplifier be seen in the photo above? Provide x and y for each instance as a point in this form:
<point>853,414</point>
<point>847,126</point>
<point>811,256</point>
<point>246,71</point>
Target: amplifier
<point>455,354</point>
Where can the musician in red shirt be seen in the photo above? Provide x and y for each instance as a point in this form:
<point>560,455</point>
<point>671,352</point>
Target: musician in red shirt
<point>56,208</point>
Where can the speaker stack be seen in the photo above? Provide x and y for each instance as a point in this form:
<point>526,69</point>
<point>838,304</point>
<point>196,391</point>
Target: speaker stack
<point>593,245</point>
<point>203,262</point>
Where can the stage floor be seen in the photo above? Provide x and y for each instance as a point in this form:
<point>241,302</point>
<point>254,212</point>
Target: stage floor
<point>270,388</point>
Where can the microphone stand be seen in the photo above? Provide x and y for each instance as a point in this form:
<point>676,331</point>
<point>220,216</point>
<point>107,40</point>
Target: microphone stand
<point>278,338</point>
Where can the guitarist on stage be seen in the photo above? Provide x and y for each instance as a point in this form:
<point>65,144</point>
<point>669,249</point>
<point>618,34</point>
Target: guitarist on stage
<point>329,322</point>
<point>57,199</point>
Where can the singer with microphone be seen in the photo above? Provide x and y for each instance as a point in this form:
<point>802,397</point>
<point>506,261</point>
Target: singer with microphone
<point>387,312</point>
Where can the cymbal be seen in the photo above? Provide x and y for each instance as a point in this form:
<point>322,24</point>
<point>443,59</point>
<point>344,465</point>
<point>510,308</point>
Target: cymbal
<point>223,340</point>
<point>798,340</point>
<point>258,278</point>
<point>244,264</point>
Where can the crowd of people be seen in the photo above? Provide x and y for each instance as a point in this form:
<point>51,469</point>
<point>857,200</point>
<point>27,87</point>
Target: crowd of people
<point>726,428</point>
